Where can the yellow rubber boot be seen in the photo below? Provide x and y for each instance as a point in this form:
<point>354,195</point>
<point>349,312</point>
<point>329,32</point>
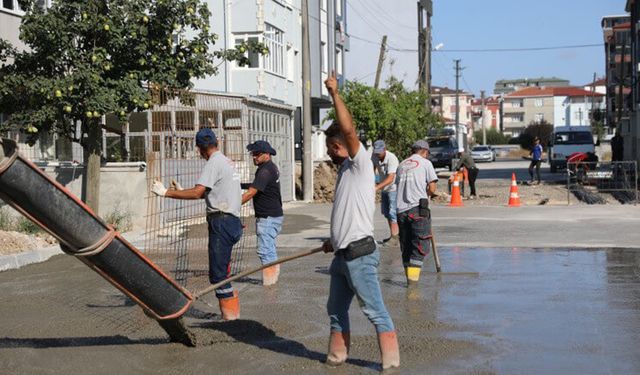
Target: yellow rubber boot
<point>338,348</point>
<point>230,307</point>
<point>413,274</point>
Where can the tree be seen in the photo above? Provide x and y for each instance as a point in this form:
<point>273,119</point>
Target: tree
<point>494,137</point>
<point>541,129</point>
<point>394,114</point>
<point>88,58</point>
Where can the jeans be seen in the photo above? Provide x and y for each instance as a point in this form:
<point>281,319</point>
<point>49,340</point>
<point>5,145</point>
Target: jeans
<point>225,231</point>
<point>267,230</point>
<point>415,234</point>
<point>388,205</point>
<point>535,164</point>
<point>357,277</point>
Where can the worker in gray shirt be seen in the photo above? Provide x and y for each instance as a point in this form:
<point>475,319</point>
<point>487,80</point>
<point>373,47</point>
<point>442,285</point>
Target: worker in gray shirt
<point>219,186</point>
<point>465,160</point>
<point>416,182</point>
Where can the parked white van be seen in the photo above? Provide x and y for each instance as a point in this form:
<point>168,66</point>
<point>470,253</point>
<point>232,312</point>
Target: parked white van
<point>566,140</point>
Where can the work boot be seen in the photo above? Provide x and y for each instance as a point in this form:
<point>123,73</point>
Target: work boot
<point>413,274</point>
<point>230,307</point>
<point>338,348</point>
<point>270,275</point>
<point>389,351</point>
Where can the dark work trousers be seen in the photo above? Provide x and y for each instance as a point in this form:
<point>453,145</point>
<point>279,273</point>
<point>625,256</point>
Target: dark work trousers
<point>224,232</point>
<point>415,232</point>
<point>473,175</point>
<point>535,164</point>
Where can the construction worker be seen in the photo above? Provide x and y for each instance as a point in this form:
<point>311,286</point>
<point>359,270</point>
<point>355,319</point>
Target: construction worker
<point>536,160</point>
<point>267,204</point>
<point>219,186</point>
<point>465,160</point>
<point>385,163</point>
<point>416,182</point>
<point>617,147</point>
<point>354,267</point>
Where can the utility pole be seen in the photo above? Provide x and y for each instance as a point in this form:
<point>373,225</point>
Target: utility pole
<point>425,7</point>
<point>459,135</point>
<point>484,128</point>
<point>383,48</point>
<point>307,162</point>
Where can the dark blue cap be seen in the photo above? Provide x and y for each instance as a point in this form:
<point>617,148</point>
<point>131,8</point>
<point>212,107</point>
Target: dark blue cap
<point>206,137</point>
<point>261,146</point>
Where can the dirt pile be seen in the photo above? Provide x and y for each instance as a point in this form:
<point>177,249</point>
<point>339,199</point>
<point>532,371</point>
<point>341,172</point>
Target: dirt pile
<point>16,242</point>
<point>324,182</point>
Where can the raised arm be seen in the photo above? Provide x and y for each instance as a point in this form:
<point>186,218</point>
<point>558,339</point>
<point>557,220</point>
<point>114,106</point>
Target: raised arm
<point>343,116</point>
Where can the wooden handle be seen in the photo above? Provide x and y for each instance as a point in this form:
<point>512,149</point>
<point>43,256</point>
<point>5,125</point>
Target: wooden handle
<point>256,269</point>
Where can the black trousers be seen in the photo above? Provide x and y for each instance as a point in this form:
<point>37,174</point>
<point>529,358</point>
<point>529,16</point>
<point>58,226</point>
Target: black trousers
<point>536,164</point>
<point>473,175</point>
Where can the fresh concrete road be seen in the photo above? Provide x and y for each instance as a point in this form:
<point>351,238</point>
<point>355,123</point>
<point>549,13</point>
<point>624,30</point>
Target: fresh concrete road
<point>550,290</point>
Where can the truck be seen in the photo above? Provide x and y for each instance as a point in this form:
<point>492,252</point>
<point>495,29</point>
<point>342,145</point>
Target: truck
<point>567,140</point>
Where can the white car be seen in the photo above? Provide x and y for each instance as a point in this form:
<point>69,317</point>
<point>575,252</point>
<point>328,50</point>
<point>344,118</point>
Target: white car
<point>483,153</point>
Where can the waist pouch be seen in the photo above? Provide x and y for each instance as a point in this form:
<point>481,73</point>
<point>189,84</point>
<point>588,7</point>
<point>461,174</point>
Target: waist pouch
<point>361,247</point>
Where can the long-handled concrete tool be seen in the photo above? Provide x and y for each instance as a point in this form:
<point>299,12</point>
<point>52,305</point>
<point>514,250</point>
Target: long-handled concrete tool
<point>256,269</point>
<point>436,257</point>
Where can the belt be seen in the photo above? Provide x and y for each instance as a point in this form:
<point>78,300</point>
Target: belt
<point>217,213</point>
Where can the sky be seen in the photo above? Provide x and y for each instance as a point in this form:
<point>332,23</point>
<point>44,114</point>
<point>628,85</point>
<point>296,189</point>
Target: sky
<point>475,24</point>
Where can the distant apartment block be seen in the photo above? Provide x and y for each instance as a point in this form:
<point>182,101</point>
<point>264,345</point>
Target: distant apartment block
<point>444,99</point>
<point>506,86</point>
<point>560,106</point>
<point>618,67</point>
<point>490,117</point>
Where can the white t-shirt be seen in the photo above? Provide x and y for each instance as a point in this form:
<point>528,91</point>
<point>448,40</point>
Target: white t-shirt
<point>385,167</point>
<point>354,201</point>
<point>414,175</point>
<point>222,181</point>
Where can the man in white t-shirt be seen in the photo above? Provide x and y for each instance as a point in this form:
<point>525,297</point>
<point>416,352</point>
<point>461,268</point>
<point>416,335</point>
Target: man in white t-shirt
<point>385,163</point>
<point>219,186</point>
<point>416,183</point>
<point>354,266</point>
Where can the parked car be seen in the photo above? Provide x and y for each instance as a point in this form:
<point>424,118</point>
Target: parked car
<point>567,140</point>
<point>442,151</point>
<point>483,153</point>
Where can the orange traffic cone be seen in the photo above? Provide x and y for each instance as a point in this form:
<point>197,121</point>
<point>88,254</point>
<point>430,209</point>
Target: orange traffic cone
<point>514,198</point>
<point>456,199</point>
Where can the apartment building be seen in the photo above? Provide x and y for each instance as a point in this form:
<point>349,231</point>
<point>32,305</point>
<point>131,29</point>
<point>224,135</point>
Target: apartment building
<point>444,100</point>
<point>559,106</point>
<point>618,67</point>
<point>507,86</point>
<point>630,130</point>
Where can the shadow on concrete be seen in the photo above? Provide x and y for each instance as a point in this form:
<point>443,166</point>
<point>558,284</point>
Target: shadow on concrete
<point>69,342</point>
<point>256,334</point>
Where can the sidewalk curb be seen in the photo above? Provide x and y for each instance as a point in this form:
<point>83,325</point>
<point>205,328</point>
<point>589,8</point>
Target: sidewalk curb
<point>15,261</point>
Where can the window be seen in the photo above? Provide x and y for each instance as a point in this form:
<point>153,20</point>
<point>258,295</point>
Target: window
<point>517,104</point>
<point>539,102</point>
<point>254,57</point>
<point>291,63</point>
<point>324,56</point>
<point>274,61</point>
<point>539,117</point>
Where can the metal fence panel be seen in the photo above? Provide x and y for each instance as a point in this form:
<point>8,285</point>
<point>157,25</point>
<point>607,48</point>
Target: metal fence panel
<point>618,178</point>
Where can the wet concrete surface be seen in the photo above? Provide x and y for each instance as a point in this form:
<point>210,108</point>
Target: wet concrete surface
<point>531,291</point>
<point>501,310</point>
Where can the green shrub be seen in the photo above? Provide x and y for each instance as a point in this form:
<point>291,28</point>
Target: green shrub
<point>25,225</point>
<point>6,223</point>
<point>120,219</point>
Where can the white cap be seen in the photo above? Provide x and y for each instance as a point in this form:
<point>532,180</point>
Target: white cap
<point>460,149</point>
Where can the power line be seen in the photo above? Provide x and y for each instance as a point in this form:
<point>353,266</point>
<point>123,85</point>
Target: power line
<point>503,49</point>
<point>382,21</point>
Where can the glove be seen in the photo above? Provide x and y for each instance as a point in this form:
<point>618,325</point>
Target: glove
<point>158,189</point>
<point>176,185</point>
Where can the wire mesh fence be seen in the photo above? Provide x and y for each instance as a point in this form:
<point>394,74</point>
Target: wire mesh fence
<point>588,179</point>
<point>176,235</point>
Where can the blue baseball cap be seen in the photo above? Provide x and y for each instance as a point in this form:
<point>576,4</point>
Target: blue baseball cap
<point>261,146</point>
<point>378,146</point>
<point>206,137</point>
